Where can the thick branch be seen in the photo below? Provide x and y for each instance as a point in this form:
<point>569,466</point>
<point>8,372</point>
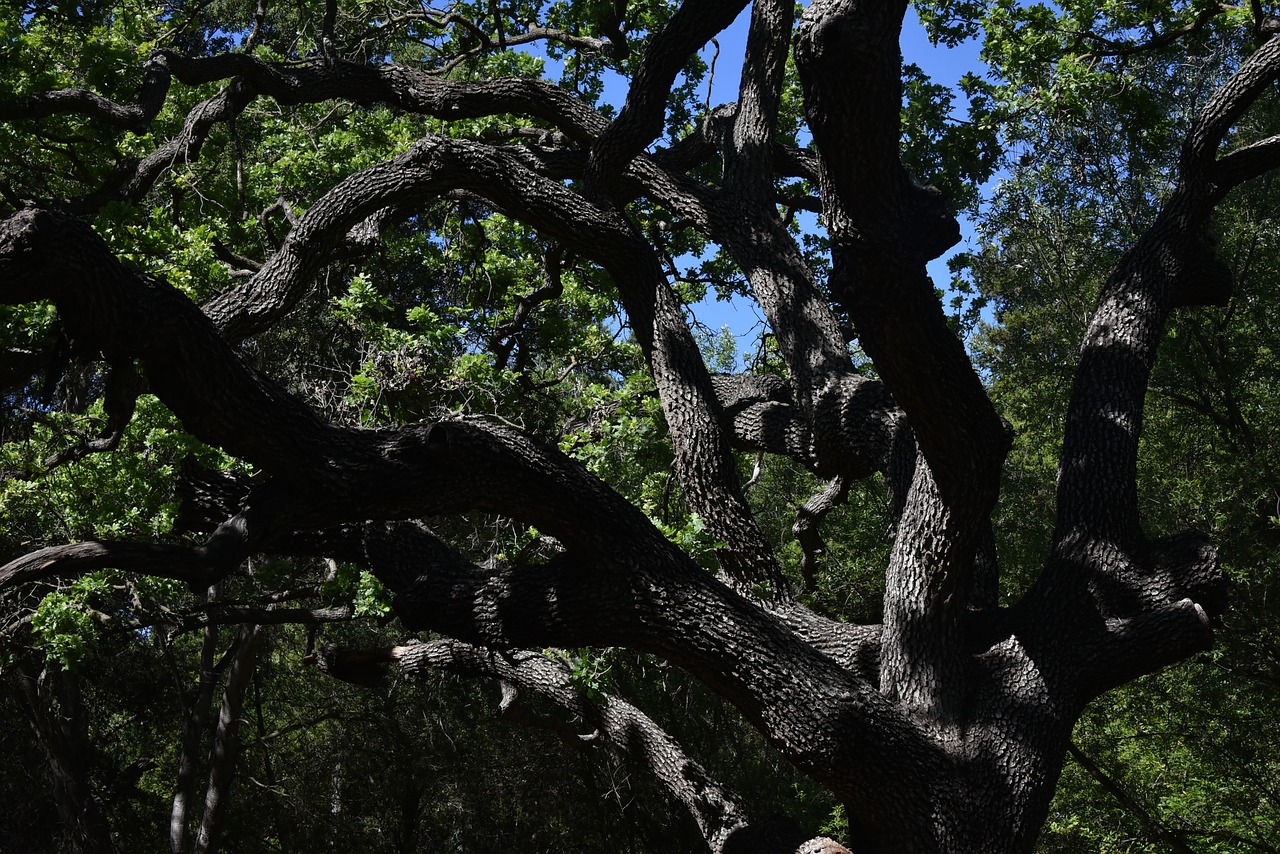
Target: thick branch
<point>405,88</point>
<point>631,587</point>
<point>567,604</point>
<point>850,68</point>
<point>1248,162</point>
<point>640,121</point>
<point>747,166</point>
<point>1097,485</point>
<point>163,561</point>
<point>1226,106</point>
<point>884,228</point>
<point>135,117</point>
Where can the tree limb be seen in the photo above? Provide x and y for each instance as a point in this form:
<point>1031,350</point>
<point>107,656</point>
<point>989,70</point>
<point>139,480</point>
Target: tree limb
<point>135,117</point>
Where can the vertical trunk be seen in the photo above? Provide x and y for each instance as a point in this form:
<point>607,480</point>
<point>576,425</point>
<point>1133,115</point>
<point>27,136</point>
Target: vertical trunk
<point>188,765</point>
<point>222,758</point>
<point>56,715</point>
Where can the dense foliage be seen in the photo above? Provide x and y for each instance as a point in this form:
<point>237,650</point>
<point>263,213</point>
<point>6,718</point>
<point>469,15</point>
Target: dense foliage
<point>152,693</point>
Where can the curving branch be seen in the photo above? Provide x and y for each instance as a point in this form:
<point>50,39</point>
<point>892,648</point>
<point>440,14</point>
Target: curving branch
<point>434,164</point>
<point>135,117</point>
<point>614,723</point>
<point>808,517</point>
<point>405,88</point>
<point>1096,490</point>
<point>614,45</point>
<point>880,222</point>
<point>1112,47</point>
<point>618,724</point>
<point>640,120</point>
<point>120,397</point>
<point>134,179</point>
<point>1225,108</point>
<point>884,227</point>
<point>620,582</point>
<point>506,336</point>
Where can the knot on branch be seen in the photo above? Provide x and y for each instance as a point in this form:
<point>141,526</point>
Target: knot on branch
<point>927,228</point>
<point>1185,566</point>
<point>717,127</point>
<point>1203,279</point>
<point>360,667</point>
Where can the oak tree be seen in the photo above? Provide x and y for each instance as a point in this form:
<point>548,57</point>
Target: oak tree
<point>197,206</point>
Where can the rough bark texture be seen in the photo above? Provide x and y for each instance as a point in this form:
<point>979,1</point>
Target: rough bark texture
<point>945,728</point>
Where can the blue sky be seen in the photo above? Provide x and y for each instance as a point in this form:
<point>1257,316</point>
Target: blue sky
<point>944,65</point>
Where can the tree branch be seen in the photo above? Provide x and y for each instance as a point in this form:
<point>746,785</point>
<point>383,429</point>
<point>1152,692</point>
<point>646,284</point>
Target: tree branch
<point>884,228</point>
<point>1110,47</point>
<point>1225,107</point>
<point>405,88</point>
<point>718,811</point>
<point>135,117</point>
<point>640,120</point>
<point>1248,162</point>
<point>135,179</point>
<point>222,755</point>
<point>1150,823</point>
<point>120,397</point>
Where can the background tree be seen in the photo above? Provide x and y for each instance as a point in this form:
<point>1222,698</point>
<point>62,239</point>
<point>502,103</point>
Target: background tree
<point>323,317</point>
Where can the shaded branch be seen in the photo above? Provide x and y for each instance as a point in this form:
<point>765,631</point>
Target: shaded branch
<point>1111,47</point>
<point>809,517</point>
<point>163,561</point>
<point>619,582</point>
<point>504,338</point>
<point>884,228</point>
<point>1150,823</point>
<point>135,117</point>
<point>120,397</point>
<point>134,179</point>
<point>405,88</point>
<point>640,120</point>
<point>222,754</point>
<point>1248,162</point>
<point>620,725</point>
<point>1097,486</point>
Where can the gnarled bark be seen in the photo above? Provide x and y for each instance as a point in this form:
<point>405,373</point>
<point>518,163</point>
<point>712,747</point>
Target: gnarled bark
<point>945,728</point>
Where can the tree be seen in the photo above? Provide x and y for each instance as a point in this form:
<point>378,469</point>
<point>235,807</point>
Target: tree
<point>1185,753</point>
<point>170,217</point>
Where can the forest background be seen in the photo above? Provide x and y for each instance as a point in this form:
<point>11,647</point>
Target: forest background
<point>194,718</point>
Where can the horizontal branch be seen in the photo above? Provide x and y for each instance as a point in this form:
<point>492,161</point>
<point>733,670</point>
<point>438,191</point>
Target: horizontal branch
<point>135,117</point>
<point>181,563</point>
<point>1248,162</point>
<point>408,89</point>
